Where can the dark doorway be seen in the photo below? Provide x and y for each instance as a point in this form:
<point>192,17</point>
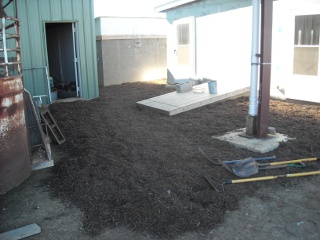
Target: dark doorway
<point>63,61</point>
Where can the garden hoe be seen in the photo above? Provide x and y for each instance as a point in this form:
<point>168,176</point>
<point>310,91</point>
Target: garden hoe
<point>291,175</point>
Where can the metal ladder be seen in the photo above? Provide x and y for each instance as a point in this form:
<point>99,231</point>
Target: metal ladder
<point>52,127</point>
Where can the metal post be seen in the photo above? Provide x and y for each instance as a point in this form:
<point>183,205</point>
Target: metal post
<point>253,107</point>
<point>265,68</point>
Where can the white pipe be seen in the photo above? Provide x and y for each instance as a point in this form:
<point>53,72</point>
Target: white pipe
<point>4,36</point>
<point>253,107</point>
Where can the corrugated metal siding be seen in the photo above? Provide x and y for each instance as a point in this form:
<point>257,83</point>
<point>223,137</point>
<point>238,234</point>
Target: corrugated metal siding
<point>33,14</point>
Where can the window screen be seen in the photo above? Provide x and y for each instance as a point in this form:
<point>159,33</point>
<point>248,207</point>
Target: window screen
<point>307,30</point>
<point>183,34</point>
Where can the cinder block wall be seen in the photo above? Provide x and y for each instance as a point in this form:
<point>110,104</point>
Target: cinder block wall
<point>122,60</point>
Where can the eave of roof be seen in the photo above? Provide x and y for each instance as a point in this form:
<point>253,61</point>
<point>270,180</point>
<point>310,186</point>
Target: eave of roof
<point>172,4</point>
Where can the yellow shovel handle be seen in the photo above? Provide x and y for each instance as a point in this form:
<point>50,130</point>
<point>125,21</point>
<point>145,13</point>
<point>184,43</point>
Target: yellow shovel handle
<point>302,174</point>
<point>294,161</point>
<point>273,177</point>
<point>253,179</point>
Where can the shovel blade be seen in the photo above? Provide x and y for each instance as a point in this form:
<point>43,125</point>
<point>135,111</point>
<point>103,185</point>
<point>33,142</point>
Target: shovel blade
<point>245,168</point>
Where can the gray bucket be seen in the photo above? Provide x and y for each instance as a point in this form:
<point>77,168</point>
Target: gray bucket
<point>212,87</point>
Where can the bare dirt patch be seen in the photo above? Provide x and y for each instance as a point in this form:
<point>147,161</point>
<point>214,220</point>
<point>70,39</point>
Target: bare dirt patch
<point>127,167</point>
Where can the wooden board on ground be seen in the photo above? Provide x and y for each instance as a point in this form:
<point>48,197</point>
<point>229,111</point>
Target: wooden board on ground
<point>21,233</point>
<point>175,103</point>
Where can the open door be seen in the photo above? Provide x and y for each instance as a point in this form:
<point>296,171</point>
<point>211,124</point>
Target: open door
<point>182,58</point>
<point>62,50</point>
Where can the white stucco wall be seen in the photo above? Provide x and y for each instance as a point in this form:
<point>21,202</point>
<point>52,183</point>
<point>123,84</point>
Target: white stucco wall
<point>224,47</point>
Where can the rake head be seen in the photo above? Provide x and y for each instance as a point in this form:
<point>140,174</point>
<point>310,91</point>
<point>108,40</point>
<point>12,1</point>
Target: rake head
<point>215,183</point>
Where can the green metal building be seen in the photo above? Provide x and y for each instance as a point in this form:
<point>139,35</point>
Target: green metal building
<point>58,48</point>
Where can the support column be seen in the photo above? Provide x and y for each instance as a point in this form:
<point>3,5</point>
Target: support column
<point>251,126</point>
<point>265,68</point>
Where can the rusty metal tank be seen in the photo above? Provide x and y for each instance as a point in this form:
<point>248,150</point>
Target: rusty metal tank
<point>15,164</point>
<point>15,161</point>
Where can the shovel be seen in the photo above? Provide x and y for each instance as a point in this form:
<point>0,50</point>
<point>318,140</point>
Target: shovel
<point>235,161</point>
<point>249,166</point>
<point>212,183</point>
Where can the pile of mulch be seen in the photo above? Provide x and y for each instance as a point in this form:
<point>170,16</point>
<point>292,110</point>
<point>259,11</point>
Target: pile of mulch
<point>125,166</point>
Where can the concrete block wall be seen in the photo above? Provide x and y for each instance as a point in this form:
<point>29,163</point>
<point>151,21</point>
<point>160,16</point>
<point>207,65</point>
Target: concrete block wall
<point>131,49</point>
<point>131,60</point>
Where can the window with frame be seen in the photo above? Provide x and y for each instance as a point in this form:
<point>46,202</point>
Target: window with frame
<point>183,44</point>
<point>306,42</point>
<point>307,30</point>
<point>183,34</point>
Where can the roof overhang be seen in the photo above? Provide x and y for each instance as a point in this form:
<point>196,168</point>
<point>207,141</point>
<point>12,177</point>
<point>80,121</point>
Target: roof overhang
<point>172,4</point>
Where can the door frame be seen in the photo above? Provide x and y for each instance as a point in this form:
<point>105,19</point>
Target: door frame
<point>76,52</point>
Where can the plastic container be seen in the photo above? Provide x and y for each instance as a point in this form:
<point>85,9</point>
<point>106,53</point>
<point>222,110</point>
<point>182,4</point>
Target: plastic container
<point>212,85</point>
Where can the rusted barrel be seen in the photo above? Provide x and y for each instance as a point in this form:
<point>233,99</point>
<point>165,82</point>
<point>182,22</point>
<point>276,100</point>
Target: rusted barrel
<point>15,162</point>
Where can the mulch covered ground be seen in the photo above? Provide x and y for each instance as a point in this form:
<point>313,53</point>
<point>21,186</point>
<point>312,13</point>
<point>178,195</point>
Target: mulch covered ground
<point>124,166</point>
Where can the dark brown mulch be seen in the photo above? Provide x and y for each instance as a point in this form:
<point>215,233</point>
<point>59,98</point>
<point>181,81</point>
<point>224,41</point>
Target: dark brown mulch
<point>123,166</point>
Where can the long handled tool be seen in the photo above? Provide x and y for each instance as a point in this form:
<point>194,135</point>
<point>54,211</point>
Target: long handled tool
<point>290,161</point>
<point>235,161</point>
<point>291,175</point>
<point>256,159</point>
<point>249,166</point>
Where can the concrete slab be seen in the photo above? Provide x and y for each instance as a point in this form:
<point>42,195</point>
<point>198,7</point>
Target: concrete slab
<point>253,144</point>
